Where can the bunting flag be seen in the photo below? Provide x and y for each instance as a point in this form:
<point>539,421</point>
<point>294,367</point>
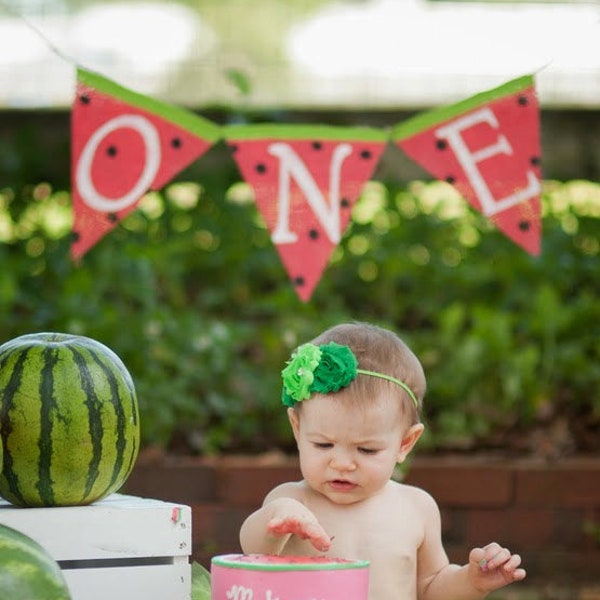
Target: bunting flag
<point>306,180</point>
<point>488,148</point>
<point>124,144</point>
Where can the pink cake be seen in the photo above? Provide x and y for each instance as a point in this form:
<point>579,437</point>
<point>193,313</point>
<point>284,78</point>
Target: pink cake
<point>266,577</point>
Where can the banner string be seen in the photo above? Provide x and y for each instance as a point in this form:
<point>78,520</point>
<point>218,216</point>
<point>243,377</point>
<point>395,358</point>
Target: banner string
<point>41,35</point>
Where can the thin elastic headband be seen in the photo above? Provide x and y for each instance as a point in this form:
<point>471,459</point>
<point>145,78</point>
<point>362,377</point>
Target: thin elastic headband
<point>393,380</point>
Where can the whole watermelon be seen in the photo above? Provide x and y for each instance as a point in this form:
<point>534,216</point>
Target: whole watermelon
<point>69,420</point>
<point>27,571</point>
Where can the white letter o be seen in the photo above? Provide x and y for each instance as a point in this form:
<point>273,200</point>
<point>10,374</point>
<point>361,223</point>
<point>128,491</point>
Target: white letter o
<point>88,192</point>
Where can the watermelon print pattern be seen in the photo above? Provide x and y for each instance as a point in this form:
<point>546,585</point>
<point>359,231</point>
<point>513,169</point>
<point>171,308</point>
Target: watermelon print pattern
<point>123,145</point>
<point>306,181</point>
<point>488,148</point>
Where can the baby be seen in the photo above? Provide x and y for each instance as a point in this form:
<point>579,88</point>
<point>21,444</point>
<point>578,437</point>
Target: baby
<point>354,396</point>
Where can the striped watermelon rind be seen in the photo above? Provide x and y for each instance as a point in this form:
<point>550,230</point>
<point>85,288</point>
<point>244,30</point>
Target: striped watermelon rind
<point>69,420</point>
<point>27,570</point>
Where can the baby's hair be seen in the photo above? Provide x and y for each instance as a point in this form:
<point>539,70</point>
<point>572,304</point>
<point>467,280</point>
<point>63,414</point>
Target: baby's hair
<point>381,350</point>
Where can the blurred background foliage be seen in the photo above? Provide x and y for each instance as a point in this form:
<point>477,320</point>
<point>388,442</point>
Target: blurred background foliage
<point>190,292</point>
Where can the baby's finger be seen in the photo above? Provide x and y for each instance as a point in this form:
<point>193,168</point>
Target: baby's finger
<point>317,537</point>
<point>511,567</point>
<point>498,559</point>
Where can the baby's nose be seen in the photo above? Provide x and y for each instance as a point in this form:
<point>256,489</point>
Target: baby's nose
<point>343,461</point>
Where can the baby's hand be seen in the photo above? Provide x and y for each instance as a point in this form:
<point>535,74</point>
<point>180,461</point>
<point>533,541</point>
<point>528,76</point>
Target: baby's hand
<point>305,527</point>
<point>493,567</point>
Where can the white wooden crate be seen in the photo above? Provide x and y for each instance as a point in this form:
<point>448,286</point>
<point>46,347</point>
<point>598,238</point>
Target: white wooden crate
<point>122,547</point>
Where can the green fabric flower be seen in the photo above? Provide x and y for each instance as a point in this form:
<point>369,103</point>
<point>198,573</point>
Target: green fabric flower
<point>337,368</point>
<point>298,376</point>
<point>322,369</point>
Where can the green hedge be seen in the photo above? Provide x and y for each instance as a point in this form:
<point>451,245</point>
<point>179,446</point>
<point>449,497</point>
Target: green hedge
<point>190,292</point>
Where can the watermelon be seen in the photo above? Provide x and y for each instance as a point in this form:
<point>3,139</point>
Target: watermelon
<point>488,148</point>
<point>306,180</point>
<point>69,420</point>
<point>123,145</point>
<point>27,571</point>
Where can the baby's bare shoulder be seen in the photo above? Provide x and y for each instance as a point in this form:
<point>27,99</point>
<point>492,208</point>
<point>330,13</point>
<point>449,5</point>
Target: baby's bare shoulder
<point>418,497</point>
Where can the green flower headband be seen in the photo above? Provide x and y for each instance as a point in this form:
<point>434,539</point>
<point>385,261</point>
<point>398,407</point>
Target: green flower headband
<point>324,369</point>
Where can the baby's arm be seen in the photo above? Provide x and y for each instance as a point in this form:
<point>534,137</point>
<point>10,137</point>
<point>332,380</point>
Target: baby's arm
<point>267,530</point>
<point>488,569</point>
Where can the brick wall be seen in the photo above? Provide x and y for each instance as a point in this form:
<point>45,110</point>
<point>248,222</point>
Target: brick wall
<point>536,509</point>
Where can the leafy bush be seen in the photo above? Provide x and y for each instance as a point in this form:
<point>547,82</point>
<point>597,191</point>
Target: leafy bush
<point>190,292</point>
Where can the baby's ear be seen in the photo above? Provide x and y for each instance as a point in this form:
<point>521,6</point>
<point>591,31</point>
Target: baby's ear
<point>294,421</point>
<point>409,439</point>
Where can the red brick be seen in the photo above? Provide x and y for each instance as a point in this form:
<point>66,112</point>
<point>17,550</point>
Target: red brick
<point>569,483</point>
<point>215,530</point>
<point>182,482</point>
<point>457,483</point>
<point>247,485</point>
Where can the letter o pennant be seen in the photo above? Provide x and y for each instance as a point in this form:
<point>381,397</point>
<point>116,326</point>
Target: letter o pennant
<point>89,193</point>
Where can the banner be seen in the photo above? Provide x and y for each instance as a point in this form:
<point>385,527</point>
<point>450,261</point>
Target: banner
<point>488,148</point>
<point>124,144</point>
<point>306,178</point>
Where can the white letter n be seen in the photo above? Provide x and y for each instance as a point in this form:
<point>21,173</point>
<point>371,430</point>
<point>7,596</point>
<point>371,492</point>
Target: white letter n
<point>290,165</point>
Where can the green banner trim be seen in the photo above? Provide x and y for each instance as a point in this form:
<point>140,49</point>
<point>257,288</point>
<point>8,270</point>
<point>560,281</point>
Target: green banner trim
<point>262,131</point>
<point>433,117</point>
<point>185,119</point>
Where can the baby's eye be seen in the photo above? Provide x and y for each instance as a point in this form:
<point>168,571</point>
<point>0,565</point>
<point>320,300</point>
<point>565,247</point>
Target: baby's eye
<point>322,445</point>
<point>368,450</point>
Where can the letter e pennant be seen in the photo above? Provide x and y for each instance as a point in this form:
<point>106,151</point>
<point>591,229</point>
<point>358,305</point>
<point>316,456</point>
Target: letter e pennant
<point>306,180</point>
<point>488,148</point>
<point>124,144</point>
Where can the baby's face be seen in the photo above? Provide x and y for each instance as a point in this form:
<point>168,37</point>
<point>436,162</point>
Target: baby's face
<point>347,452</point>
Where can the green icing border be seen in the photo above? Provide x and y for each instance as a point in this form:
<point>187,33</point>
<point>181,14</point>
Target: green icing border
<point>179,116</point>
<point>430,118</point>
<point>261,131</point>
<point>227,561</point>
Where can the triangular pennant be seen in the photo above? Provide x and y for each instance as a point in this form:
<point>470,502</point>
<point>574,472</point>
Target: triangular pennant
<point>488,147</point>
<point>124,144</point>
<point>306,180</point>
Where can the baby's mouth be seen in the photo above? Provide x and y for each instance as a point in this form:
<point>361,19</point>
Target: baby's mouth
<point>342,485</point>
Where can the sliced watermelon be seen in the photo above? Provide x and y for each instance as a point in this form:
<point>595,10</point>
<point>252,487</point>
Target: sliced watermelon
<point>124,144</point>
<point>488,148</point>
<point>306,180</point>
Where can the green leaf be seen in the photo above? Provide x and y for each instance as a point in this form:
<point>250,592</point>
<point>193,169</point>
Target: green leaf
<point>200,582</point>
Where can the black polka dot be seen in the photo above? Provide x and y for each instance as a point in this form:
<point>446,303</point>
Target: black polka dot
<point>344,203</point>
<point>535,161</point>
<point>313,234</point>
<point>111,151</point>
<point>524,225</point>
<point>75,236</point>
<point>317,145</point>
<point>176,143</point>
<point>441,144</point>
<point>84,99</point>
<point>234,148</point>
<point>450,179</point>
<point>523,100</point>
<point>261,168</point>
<point>299,281</point>
<point>366,154</point>
<point>112,217</point>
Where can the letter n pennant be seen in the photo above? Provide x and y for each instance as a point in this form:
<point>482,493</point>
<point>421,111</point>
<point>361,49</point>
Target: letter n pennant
<point>124,144</point>
<point>488,148</point>
<point>306,180</point>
